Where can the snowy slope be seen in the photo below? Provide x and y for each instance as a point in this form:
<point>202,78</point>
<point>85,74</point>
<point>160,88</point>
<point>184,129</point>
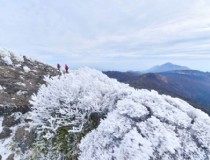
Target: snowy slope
<point>137,124</point>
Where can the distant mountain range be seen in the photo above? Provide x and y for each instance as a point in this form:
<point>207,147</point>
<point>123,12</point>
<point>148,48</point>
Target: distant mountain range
<point>190,85</point>
<point>166,67</point>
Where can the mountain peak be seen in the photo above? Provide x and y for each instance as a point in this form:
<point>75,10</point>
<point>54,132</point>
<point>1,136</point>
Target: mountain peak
<point>167,67</point>
<point>168,63</point>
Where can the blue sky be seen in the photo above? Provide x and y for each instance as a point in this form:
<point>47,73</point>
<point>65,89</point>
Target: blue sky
<point>109,34</point>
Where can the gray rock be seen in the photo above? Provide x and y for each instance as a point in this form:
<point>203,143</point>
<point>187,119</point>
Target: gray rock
<point>10,121</point>
<point>24,138</point>
<point>5,133</point>
<point>20,134</point>
<point>12,108</point>
<point>7,109</point>
<point>11,156</point>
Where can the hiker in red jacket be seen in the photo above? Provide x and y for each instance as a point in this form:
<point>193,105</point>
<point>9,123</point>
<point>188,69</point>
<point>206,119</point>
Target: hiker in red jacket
<point>67,68</point>
<point>59,67</point>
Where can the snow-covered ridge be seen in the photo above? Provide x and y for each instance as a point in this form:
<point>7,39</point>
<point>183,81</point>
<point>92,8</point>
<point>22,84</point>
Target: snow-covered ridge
<point>138,124</point>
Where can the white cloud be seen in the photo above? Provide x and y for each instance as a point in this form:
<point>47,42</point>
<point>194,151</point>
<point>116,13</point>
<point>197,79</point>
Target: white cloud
<point>101,30</point>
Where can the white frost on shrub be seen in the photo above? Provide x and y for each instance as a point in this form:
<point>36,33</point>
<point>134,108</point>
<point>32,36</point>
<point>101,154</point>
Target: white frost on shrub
<point>26,69</point>
<point>2,88</point>
<point>8,57</point>
<point>18,58</point>
<point>20,93</point>
<point>18,65</point>
<point>21,84</point>
<point>139,124</point>
<point>7,60</point>
<point>5,144</point>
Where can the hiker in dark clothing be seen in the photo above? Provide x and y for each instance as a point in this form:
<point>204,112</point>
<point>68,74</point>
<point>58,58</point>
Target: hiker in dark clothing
<point>59,66</point>
<point>67,68</point>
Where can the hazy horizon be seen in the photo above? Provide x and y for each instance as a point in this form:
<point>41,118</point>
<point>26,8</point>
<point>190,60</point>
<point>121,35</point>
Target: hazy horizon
<point>109,35</point>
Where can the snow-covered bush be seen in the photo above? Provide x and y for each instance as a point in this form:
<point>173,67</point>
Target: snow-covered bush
<point>131,124</point>
<point>69,103</point>
<point>6,57</point>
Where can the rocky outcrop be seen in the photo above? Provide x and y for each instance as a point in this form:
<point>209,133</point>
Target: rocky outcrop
<point>6,132</point>
<point>20,77</point>
<point>19,83</point>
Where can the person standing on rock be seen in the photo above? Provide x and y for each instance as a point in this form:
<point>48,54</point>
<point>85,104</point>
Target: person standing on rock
<point>59,67</point>
<point>67,68</point>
